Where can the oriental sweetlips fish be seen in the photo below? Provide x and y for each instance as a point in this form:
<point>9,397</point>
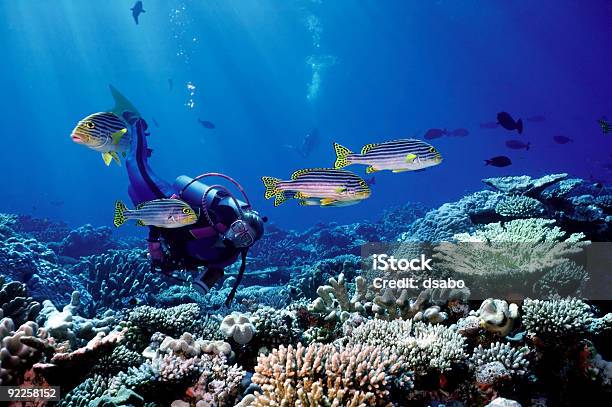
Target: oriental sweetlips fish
<point>164,213</point>
<point>397,156</point>
<point>104,132</point>
<point>318,186</point>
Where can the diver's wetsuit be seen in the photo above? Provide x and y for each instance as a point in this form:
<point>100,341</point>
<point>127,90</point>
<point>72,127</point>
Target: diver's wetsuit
<point>189,246</point>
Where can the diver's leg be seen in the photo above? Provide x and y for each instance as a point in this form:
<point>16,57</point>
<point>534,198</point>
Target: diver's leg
<point>204,281</point>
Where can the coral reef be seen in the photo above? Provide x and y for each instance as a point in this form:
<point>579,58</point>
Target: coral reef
<point>83,311</point>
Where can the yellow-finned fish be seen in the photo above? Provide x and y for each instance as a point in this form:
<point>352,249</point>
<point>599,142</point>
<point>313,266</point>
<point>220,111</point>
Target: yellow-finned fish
<point>397,156</point>
<point>104,132</point>
<point>318,186</point>
<point>163,213</point>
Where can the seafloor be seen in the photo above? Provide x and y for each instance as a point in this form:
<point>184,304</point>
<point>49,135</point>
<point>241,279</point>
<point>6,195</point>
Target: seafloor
<point>82,310</point>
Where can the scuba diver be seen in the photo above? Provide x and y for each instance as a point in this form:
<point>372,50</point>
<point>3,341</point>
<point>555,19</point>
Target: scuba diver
<point>226,227</point>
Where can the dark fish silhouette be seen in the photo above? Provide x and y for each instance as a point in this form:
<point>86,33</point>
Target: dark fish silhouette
<point>170,84</point>
<point>459,133</point>
<point>508,123</point>
<point>310,142</point>
<point>562,139</point>
<point>489,125</point>
<point>371,181</point>
<point>206,124</point>
<point>517,145</point>
<point>536,119</point>
<point>499,161</point>
<point>435,133</point>
<point>605,125</point>
<point>155,122</point>
<point>137,10</point>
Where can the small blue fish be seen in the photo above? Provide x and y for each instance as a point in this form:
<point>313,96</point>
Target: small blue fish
<point>206,124</point>
<point>137,10</point>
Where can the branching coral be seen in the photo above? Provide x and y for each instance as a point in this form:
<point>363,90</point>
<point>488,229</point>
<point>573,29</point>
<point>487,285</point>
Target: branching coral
<point>351,375</point>
<point>562,280</point>
<point>117,277</point>
<point>68,325</point>
<point>423,346</point>
<point>558,320</point>
<point>519,206</point>
<point>334,302</point>
<point>15,302</point>
<point>16,356</point>
<point>514,359</point>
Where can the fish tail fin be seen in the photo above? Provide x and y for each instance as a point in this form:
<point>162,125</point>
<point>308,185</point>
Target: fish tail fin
<point>342,154</point>
<point>120,217</point>
<point>519,126</point>
<point>122,104</point>
<point>279,198</point>
<point>528,145</point>
<point>271,185</point>
<point>487,162</point>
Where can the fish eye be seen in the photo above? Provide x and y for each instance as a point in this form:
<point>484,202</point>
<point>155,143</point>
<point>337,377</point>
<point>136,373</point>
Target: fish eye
<point>90,125</point>
<point>432,150</point>
<point>187,211</point>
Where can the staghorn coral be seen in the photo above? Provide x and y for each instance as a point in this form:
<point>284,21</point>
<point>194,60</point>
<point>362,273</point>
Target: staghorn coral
<point>320,374</point>
<point>16,356</point>
<point>519,206</point>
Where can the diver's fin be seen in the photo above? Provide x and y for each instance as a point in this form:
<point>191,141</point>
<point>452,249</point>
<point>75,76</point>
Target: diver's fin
<point>410,157</point>
<point>370,170</point>
<point>116,136</point>
<point>342,154</point>
<point>107,158</point>
<point>279,198</point>
<point>367,148</point>
<point>271,185</point>
<point>120,217</point>
<point>121,103</point>
<point>115,157</point>
<point>328,201</point>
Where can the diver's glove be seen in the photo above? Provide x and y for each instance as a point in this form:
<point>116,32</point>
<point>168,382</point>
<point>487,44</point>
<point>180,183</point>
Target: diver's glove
<point>199,285</point>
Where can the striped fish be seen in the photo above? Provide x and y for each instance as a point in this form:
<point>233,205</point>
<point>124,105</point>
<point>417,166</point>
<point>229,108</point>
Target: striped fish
<point>104,132</point>
<point>397,156</point>
<point>163,213</point>
<point>318,186</point>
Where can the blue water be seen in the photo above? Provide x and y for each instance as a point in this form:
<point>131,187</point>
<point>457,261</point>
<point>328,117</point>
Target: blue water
<point>386,70</point>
